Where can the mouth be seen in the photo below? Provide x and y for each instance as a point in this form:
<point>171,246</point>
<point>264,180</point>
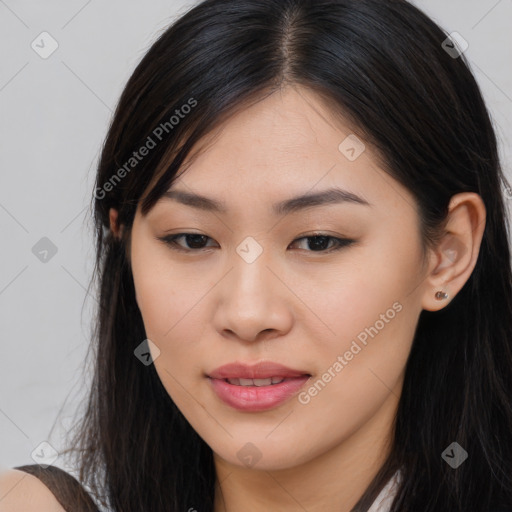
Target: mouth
<point>257,387</point>
<point>258,373</point>
<point>271,381</point>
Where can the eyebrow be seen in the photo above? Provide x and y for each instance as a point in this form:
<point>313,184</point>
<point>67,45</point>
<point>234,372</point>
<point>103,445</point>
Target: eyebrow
<point>294,204</point>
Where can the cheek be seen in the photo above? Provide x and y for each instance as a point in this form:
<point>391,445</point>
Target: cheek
<point>171,300</point>
<point>168,302</point>
<point>371,312</point>
<point>166,295</point>
<point>373,316</point>
<point>365,288</point>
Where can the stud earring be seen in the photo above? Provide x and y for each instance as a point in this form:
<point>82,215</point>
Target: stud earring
<point>440,295</point>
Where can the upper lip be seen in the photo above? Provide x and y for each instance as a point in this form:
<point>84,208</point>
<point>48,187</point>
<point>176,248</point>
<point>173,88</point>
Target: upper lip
<point>262,370</point>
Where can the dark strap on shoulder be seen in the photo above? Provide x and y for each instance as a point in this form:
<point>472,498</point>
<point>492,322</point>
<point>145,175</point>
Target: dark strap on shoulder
<point>68,491</point>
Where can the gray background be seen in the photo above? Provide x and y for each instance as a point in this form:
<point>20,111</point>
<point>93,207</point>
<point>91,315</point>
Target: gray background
<point>55,113</point>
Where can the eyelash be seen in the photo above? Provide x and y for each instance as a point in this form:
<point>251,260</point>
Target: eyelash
<point>340,242</point>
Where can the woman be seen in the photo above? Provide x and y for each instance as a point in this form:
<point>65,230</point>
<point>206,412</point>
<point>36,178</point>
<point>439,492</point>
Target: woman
<point>304,271</point>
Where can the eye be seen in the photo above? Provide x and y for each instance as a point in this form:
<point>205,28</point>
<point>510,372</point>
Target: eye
<point>320,242</point>
<point>195,242</point>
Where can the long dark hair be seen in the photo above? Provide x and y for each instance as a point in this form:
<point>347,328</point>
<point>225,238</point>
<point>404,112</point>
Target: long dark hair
<point>381,65</point>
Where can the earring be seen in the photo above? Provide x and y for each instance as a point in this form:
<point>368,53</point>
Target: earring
<point>440,295</point>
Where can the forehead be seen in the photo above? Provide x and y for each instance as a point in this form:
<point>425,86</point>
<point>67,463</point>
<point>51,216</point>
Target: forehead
<point>285,135</point>
<point>285,145</point>
<point>290,126</point>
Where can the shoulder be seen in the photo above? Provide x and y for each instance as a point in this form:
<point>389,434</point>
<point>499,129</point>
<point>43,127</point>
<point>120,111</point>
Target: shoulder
<point>22,491</point>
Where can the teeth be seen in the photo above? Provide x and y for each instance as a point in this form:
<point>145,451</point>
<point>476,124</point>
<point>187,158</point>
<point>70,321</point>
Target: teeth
<point>256,382</point>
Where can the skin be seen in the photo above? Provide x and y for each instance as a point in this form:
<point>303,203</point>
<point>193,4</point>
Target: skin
<point>22,491</point>
<point>295,304</point>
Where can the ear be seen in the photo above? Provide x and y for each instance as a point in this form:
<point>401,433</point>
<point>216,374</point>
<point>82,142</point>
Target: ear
<point>117,230</point>
<point>455,257</point>
<point>114,226</point>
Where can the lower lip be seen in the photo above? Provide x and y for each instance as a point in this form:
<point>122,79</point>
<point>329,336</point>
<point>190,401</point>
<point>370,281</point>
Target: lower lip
<point>257,398</point>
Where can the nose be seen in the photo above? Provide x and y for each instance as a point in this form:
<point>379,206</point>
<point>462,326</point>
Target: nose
<point>252,303</point>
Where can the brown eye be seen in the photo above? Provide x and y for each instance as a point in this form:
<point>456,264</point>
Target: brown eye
<point>320,243</point>
<point>194,241</point>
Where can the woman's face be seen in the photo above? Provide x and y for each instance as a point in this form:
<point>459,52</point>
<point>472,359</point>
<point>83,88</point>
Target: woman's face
<point>254,288</point>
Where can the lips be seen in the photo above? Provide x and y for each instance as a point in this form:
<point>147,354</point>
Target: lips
<point>262,370</point>
<point>256,387</point>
